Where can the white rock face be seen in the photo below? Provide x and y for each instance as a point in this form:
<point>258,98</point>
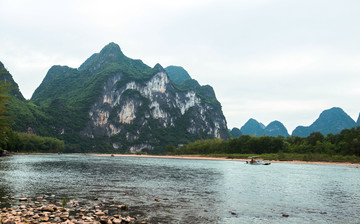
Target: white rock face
<point>217,130</point>
<point>113,130</point>
<point>139,148</point>
<point>190,100</point>
<point>131,85</point>
<point>102,118</point>
<point>163,104</point>
<point>157,84</point>
<point>156,111</point>
<point>127,113</point>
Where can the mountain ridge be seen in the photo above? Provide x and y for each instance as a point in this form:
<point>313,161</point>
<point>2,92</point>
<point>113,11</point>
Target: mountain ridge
<point>252,127</point>
<point>129,105</point>
<point>332,120</point>
<point>276,128</point>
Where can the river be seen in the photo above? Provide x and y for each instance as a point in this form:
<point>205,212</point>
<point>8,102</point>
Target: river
<point>191,191</point>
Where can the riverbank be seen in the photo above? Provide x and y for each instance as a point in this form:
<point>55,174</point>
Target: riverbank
<point>203,157</point>
<point>198,157</point>
<point>46,209</point>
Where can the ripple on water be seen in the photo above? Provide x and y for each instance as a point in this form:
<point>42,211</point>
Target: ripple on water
<point>192,191</point>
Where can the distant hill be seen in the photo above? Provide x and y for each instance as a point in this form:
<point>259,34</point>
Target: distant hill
<point>358,120</point>
<point>252,127</point>
<point>177,74</point>
<point>7,77</point>
<point>235,132</point>
<point>255,128</point>
<point>276,128</point>
<point>26,116</point>
<point>333,121</point>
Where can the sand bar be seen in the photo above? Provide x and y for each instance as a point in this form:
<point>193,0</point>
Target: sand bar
<point>223,158</point>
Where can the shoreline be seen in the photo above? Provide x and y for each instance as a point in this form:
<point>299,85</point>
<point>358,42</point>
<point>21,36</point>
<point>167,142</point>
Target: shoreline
<point>197,157</point>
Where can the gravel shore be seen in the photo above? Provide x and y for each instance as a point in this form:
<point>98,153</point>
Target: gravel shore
<point>46,209</point>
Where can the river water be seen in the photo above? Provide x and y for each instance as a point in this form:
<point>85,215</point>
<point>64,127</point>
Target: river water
<point>191,191</point>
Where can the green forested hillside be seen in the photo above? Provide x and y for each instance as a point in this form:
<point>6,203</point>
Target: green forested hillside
<point>18,114</point>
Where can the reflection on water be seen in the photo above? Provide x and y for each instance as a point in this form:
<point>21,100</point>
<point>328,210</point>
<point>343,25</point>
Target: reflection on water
<point>194,191</point>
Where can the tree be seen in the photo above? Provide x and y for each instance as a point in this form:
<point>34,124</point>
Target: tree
<point>4,118</point>
<point>314,137</point>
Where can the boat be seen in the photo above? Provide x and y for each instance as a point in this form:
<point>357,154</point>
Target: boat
<point>4,153</point>
<point>255,160</point>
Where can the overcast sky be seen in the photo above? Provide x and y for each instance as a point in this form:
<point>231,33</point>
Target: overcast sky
<point>283,60</point>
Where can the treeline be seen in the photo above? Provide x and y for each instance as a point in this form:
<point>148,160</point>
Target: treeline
<point>21,142</point>
<point>346,143</point>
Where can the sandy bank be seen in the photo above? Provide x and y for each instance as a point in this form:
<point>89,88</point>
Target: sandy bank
<point>223,158</point>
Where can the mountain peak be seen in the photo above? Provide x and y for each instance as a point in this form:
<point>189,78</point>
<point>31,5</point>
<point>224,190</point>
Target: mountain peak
<point>5,76</point>
<point>112,50</point>
<point>358,120</point>
<point>158,67</point>
<point>333,121</point>
<point>111,53</point>
<point>235,132</point>
<point>177,74</point>
<point>252,127</point>
<point>276,128</point>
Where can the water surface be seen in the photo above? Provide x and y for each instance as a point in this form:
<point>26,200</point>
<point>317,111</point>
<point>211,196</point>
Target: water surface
<point>192,191</point>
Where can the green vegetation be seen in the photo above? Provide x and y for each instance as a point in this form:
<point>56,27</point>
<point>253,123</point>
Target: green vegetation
<point>29,143</point>
<point>343,147</point>
<point>4,118</point>
<point>63,202</point>
<point>177,74</point>
<point>27,115</point>
<point>61,106</point>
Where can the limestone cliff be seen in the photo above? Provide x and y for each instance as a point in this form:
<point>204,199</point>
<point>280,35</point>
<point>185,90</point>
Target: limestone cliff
<point>126,104</point>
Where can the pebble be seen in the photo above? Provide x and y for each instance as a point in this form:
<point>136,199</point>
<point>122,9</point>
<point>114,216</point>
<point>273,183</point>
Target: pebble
<point>116,221</point>
<point>43,211</point>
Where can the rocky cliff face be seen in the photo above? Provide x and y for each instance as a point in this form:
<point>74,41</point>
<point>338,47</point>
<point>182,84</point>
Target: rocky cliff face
<point>333,121</point>
<point>131,106</point>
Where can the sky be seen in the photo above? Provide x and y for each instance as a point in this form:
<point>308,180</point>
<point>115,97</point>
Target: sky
<point>266,59</point>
